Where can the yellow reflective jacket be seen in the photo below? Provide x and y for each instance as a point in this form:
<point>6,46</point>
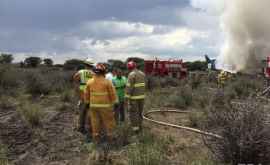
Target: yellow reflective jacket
<point>135,88</point>
<point>83,76</point>
<point>100,93</point>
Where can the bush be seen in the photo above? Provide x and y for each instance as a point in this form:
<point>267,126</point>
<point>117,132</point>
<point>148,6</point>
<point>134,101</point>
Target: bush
<point>5,102</point>
<point>246,136</point>
<point>67,96</point>
<point>181,98</point>
<point>243,87</point>
<point>6,58</point>
<point>32,114</point>
<point>37,84</point>
<point>196,119</point>
<point>3,155</point>
<point>122,135</point>
<point>8,78</point>
<point>149,151</point>
<point>32,61</point>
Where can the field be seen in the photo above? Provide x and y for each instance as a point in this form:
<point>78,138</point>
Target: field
<point>38,116</point>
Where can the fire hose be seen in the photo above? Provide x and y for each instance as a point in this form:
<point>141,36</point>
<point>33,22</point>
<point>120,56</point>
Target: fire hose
<point>145,117</point>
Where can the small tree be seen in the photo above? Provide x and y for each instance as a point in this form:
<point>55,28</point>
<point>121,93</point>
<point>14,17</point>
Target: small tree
<point>6,58</point>
<point>32,61</point>
<point>72,64</point>
<point>48,62</point>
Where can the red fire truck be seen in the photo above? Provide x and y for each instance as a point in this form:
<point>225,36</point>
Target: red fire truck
<point>172,68</point>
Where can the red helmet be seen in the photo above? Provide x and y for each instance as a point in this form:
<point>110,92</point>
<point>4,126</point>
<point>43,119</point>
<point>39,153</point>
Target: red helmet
<point>100,68</point>
<point>131,65</point>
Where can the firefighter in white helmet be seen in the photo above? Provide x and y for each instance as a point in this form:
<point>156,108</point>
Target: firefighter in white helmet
<point>82,76</point>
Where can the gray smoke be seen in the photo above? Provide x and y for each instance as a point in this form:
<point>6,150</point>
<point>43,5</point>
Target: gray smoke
<point>246,24</point>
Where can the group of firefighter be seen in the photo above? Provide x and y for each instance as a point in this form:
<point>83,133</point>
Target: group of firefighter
<point>105,95</point>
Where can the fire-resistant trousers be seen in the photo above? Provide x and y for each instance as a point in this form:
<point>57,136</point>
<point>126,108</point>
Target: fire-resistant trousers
<point>136,113</point>
<point>102,118</point>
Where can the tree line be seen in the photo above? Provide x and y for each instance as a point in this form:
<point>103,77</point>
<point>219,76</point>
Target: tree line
<point>73,64</point>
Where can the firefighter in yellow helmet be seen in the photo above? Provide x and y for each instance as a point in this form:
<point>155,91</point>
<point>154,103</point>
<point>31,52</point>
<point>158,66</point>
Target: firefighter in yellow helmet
<point>135,94</point>
<point>82,76</point>
<point>101,96</point>
<point>223,76</point>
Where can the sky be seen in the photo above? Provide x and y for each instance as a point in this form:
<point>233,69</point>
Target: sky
<point>110,29</point>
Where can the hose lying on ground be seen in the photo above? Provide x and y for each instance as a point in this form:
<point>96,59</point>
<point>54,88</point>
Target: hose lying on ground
<point>145,117</point>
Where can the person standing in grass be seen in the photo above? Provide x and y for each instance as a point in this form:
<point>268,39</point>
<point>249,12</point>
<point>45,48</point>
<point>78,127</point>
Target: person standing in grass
<point>100,96</point>
<point>82,76</point>
<point>119,82</point>
<point>135,94</point>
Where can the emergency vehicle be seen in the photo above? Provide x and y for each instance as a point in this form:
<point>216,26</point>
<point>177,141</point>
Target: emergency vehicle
<point>172,68</point>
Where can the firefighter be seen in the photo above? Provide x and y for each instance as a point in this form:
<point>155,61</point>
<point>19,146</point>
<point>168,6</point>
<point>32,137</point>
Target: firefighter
<point>100,95</point>
<point>223,76</point>
<point>82,76</point>
<point>119,82</point>
<point>135,94</point>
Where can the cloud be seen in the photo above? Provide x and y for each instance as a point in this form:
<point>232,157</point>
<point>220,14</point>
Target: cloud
<point>106,29</point>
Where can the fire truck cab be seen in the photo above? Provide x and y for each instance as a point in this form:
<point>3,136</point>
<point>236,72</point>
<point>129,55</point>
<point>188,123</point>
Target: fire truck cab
<point>172,68</point>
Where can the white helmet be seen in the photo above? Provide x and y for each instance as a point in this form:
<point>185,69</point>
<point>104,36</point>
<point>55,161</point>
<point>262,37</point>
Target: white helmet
<point>89,61</point>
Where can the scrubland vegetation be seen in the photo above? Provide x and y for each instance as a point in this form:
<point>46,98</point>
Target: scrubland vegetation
<point>38,117</point>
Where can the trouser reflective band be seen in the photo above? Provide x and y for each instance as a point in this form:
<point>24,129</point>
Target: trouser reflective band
<point>137,97</point>
<point>137,85</point>
<point>100,105</point>
<point>99,93</point>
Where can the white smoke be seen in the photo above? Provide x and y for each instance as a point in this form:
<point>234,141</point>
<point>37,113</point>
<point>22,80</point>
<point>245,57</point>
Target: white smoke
<point>246,26</point>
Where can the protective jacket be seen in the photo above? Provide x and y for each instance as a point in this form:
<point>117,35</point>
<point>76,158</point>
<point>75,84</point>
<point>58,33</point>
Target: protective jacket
<point>223,77</point>
<point>100,93</point>
<point>83,76</point>
<point>120,85</point>
<point>135,89</point>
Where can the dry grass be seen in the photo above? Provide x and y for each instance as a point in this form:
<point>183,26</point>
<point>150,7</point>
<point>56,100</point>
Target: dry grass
<point>244,129</point>
<point>32,113</point>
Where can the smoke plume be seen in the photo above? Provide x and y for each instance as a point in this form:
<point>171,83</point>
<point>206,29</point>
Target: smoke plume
<point>246,25</point>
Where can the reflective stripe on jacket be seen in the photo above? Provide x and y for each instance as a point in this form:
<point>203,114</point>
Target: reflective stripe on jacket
<point>120,85</point>
<point>136,85</point>
<point>85,75</point>
<point>100,93</point>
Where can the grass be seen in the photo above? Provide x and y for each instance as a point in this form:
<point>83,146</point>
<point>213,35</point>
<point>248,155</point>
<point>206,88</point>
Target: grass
<point>32,114</point>
<point>149,151</point>
<point>3,155</point>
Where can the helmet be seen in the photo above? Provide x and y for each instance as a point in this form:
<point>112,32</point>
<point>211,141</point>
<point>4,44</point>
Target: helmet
<point>131,65</point>
<point>100,69</point>
<point>89,62</point>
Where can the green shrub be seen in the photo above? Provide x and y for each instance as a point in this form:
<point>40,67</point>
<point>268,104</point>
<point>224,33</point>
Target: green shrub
<point>32,114</point>
<point>149,151</point>
<point>9,79</point>
<point>3,155</point>
<point>182,98</point>
<point>122,135</point>
<point>243,125</point>
<point>243,87</point>
<point>36,84</point>
<point>196,119</point>
<point>67,96</point>
<point>5,102</point>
